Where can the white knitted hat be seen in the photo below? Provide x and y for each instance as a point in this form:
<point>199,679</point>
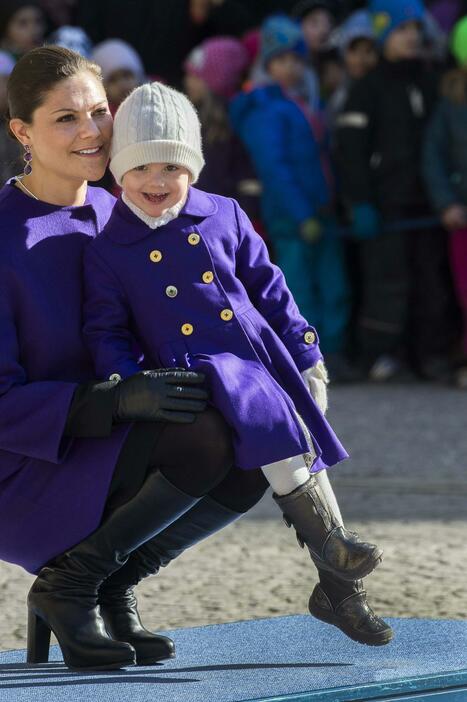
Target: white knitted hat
<point>156,124</point>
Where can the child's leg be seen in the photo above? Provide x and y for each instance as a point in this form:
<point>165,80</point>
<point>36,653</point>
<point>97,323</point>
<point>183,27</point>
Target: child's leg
<point>309,504</point>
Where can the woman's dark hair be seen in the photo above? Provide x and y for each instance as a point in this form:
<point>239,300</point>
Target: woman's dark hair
<point>39,71</point>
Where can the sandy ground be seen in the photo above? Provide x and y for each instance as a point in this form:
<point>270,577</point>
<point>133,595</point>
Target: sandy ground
<point>405,488</point>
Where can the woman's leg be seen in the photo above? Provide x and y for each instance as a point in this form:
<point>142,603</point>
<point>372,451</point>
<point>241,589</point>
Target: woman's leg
<point>63,598</point>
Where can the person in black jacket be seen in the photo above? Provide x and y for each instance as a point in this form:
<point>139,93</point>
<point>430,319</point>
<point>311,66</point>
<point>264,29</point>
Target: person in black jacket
<point>404,306</point>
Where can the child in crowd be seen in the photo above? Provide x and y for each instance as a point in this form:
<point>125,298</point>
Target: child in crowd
<point>214,73</point>
<point>445,172</point>
<point>288,145</point>
<point>405,288</point>
<point>355,40</point>
<point>317,22</point>
<point>22,26</point>
<point>122,69</point>
<point>183,274</point>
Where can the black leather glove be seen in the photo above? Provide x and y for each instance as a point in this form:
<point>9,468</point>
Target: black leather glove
<point>165,395</point>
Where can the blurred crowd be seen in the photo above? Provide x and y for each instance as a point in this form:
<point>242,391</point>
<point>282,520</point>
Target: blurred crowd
<point>340,127</point>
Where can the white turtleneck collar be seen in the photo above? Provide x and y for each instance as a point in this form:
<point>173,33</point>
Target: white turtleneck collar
<point>154,222</point>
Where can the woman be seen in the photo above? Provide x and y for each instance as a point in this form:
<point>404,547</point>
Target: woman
<point>66,449</point>
<point>67,457</point>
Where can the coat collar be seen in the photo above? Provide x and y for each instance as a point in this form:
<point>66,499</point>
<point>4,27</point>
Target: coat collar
<point>124,227</point>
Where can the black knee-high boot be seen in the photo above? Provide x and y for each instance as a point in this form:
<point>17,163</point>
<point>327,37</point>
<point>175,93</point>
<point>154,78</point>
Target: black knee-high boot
<point>344,604</point>
<point>331,546</point>
<point>63,598</point>
<point>118,605</point>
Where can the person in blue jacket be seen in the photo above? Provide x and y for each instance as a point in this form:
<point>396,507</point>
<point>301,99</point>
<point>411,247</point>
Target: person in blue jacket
<point>287,142</point>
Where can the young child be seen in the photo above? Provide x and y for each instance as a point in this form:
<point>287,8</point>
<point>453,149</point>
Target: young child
<point>445,173</point>
<point>183,274</point>
<point>404,288</point>
<point>22,26</point>
<point>287,141</point>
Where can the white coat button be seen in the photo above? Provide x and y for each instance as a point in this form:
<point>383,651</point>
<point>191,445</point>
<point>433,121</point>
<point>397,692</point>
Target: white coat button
<point>309,337</point>
<point>115,376</point>
<point>171,291</point>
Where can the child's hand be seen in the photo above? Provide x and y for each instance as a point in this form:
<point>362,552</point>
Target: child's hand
<point>316,379</point>
<point>310,230</point>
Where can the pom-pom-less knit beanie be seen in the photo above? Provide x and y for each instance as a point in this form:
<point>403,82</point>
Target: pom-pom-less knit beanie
<point>156,124</point>
<point>387,15</point>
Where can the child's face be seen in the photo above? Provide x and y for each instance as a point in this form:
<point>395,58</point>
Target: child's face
<point>156,187</point>
<point>195,88</point>
<point>360,57</point>
<point>404,42</point>
<point>119,85</point>
<point>316,28</point>
<point>286,69</point>
<point>26,29</point>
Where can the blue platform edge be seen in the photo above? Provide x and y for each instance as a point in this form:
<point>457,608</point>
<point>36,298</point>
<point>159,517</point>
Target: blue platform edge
<point>283,659</point>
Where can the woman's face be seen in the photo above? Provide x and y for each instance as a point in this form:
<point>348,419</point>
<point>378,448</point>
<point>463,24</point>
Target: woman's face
<point>70,132</point>
<point>156,187</point>
<point>25,29</point>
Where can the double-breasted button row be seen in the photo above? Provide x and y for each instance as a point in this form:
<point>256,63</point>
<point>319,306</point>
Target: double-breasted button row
<point>188,328</point>
<point>309,337</point>
<point>193,239</point>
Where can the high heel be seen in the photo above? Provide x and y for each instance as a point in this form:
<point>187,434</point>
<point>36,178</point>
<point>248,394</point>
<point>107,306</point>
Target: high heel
<point>38,639</point>
<point>63,598</point>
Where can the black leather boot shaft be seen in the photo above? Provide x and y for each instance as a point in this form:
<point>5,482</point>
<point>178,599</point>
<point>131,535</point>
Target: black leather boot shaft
<point>64,595</point>
<point>331,546</point>
<point>117,601</point>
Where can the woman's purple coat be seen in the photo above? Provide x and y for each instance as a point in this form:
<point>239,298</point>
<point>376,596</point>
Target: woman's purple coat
<point>52,490</point>
<point>147,285</point>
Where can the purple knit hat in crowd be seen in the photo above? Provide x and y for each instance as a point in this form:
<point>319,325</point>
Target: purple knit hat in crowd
<point>221,62</point>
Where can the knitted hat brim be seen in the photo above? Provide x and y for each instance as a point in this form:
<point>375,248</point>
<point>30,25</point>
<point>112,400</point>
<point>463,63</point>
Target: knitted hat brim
<point>158,151</point>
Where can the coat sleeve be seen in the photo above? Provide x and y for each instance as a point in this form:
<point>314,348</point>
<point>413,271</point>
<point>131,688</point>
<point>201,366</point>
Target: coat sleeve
<point>107,319</point>
<point>32,414</point>
<point>268,291</point>
<point>435,160</point>
<point>265,134</point>
<point>354,142</point>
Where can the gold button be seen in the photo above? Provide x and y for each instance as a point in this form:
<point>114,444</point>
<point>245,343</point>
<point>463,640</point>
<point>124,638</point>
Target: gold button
<point>226,315</point>
<point>187,329</point>
<point>208,277</point>
<point>310,337</point>
<point>194,238</point>
<point>155,256</point>
<point>171,291</point>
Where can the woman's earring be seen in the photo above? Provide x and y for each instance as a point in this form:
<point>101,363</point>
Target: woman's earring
<point>27,157</point>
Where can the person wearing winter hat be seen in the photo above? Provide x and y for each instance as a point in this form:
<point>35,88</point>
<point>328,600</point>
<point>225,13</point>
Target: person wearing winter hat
<point>403,272</point>
<point>183,274</point>
<point>445,174</point>
<point>316,18</point>
<point>73,38</point>
<point>214,72</point>
<point>122,69</point>
<point>355,40</point>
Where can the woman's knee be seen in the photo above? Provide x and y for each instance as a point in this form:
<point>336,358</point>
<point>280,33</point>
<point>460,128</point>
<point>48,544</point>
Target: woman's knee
<point>212,441</point>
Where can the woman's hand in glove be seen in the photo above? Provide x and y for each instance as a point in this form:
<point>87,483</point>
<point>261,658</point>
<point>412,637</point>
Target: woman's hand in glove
<point>164,395</point>
<point>316,379</point>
